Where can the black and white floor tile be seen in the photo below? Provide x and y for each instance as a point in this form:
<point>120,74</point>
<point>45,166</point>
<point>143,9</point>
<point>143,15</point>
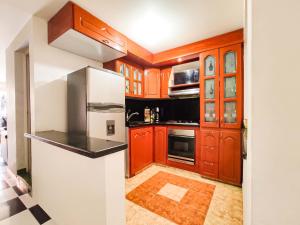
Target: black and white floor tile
<point>16,206</point>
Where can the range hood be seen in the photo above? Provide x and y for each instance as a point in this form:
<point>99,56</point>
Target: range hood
<point>184,80</point>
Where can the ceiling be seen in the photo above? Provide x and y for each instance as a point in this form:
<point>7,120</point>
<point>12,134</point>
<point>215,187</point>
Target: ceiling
<point>157,25</point>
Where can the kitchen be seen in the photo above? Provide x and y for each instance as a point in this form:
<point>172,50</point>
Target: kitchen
<point>169,122</point>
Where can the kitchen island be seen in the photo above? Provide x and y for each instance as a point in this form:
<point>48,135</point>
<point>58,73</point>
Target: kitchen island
<point>78,180</point>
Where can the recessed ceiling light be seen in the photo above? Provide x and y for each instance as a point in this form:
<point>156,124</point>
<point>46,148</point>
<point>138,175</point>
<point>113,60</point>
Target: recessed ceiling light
<point>179,59</point>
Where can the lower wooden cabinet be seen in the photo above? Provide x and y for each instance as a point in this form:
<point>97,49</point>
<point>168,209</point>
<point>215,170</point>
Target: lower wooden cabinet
<point>230,156</point>
<point>160,145</point>
<point>220,156</point>
<point>141,148</point>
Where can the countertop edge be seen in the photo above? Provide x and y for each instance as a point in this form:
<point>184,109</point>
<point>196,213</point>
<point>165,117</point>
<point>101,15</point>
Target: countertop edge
<point>79,151</point>
<point>162,124</point>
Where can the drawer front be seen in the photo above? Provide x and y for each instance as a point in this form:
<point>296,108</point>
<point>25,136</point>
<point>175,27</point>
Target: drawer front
<point>209,138</point>
<point>91,26</point>
<point>209,169</point>
<point>209,154</point>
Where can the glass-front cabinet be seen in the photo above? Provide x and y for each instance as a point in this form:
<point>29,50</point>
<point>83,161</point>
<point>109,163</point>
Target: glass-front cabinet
<point>221,87</point>
<point>134,78</point>
<point>231,86</point>
<point>209,88</point>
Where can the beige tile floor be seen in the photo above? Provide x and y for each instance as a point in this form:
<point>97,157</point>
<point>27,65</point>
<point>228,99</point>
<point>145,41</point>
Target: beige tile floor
<point>226,207</point>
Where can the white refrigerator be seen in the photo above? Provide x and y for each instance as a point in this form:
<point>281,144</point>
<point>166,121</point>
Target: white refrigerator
<point>96,104</point>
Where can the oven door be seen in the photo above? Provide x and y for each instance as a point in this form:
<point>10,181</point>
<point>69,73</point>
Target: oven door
<point>186,77</point>
<point>181,146</point>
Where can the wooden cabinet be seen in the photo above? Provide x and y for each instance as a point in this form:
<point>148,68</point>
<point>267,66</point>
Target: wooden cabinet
<point>77,31</point>
<point>160,145</point>
<point>164,82</point>
<point>230,156</point>
<point>141,148</point>
<point>152,83</point>
<point>220,155</point>
<point>221,87</point>
<point>209,153</point>
<point>231,84</point>
<point>133,74</point>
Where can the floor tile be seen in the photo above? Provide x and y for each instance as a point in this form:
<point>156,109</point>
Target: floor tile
<point>11,181</point>
<point>11,207</point>
<point>39,214</point>
<point>23,218</point>
<point>7,194</point>
<point>18,190</point>
<point>27,200</point>
<point>3,185</point>
<point>173,192</point>
<point>50,222</point>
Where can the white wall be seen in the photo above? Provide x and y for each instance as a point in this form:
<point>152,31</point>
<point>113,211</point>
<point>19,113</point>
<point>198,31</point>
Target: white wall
<point>274,109</point>
<point>48,68</point>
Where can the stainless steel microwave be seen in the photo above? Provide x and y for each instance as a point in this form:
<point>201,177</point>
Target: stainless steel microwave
<point>184,80</point>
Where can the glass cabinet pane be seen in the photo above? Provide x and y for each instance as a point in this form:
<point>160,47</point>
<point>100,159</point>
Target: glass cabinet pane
<point>139,89</point>
<point>127,74</point>
<point>139,76</point>
<point>127,86</point>
<point>210,66</point>
<point>230,112</point>
<point>210,114</point>
<point>230,62</point>
<point>230,87</point>
<point>135,75</point>
<point>210,89</point>
<point>135,88</point>
<point>121,69</point>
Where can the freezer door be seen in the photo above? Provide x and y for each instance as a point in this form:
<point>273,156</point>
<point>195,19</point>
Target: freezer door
<point>104,87</point>
<point>109,126</point>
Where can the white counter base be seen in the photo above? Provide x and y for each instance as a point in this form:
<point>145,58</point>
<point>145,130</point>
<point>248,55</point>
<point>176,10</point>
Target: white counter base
<point>77,190</point>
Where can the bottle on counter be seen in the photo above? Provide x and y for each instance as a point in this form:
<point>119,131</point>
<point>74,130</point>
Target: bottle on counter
<point>147,115</point>
<point>156,114</point>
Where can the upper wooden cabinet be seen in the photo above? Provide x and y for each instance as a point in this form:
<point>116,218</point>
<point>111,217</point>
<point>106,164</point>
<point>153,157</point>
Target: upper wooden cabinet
<point>164,82</point>
<point>209,88</point>
<point>231,87</point>
<point>133,74</point>
<point>152,83</point>
<point>221,89</point>
<point>76,30</point>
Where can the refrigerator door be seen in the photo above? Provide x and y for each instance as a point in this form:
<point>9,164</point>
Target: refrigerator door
<point>105,87</point>
<point>106,105</point>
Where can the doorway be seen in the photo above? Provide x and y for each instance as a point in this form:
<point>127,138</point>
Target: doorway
<point>24,151</point>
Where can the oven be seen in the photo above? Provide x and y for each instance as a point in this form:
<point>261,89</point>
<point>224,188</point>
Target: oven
<point>181,145</point>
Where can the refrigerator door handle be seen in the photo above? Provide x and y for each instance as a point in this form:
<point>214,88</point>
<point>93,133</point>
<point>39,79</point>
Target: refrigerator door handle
<point>106,107</point>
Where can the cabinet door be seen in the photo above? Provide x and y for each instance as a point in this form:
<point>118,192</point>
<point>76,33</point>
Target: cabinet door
<point>209,153</point>
<point>125,69</point>
<point>164,82</point>
<point>209,88</point>
<point>152,83</point>
<point>160,144</point>
<point>137,81</point>
<point>230,156</point>
<point>231,86</point>
<point>141,149</point>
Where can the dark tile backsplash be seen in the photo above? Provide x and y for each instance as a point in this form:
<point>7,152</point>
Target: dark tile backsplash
<point>170,109</point>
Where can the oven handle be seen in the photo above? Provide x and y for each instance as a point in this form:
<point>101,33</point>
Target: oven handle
<point>181,136</point>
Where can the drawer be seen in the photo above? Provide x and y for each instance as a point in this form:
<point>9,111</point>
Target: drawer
<point>209,138</point>
<point>209,169</point>
<point>209,154</point>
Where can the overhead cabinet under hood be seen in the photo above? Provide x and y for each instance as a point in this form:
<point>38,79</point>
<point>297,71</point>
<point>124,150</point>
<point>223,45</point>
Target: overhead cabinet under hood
<point>75,30</point>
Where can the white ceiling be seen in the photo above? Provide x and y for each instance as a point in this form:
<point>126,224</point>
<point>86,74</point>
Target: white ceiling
<point>157,25</point>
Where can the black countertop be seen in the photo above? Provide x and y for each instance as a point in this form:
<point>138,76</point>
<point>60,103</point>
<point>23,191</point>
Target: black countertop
<point>162,123</point>
<point>80,144</point>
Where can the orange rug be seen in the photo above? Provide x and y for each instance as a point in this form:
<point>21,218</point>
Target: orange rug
<point>178,199</point>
